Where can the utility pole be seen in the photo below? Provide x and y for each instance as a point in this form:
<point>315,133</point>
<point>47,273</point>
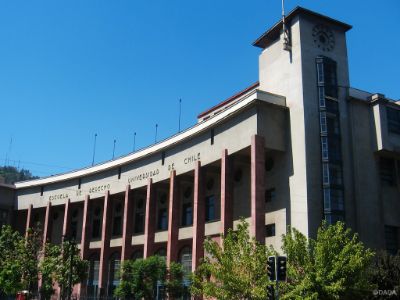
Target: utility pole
<point>94,148</point>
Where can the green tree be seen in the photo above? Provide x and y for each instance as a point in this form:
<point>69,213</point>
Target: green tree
<point>30,256</point>
<point>174,282</point>
<point>12,174</point>
<point>139,278</point>
<point>62,264</point>
<point>235,270</point>
<point>334,266</point>
<point>385,274</point>
<point>11,247</point>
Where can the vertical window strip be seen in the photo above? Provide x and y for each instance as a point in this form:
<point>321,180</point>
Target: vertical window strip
<point>324,145</point>
<point>322,118</point>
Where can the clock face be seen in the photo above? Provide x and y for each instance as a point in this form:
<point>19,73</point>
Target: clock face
<point>323,37</point>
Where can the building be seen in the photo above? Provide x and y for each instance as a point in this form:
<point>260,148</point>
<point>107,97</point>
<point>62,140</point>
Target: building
<point>7,200</point>
<point>297,147</point>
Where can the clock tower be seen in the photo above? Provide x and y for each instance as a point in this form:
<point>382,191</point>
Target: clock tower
<point>312,73</point>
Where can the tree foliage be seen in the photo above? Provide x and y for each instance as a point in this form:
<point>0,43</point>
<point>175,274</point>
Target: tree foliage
<point>139,278</point>
<point>334,266</point>
<point>19,260</point>
<point>62,264</point>
<point>174,281</point>
<point>385,274</point>
<point>235,270</point>
<point>12,174</point>
<point>11,246</point>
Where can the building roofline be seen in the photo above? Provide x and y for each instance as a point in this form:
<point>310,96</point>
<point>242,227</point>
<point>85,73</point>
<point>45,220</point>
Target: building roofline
<point>169,142</point>
<point>272,33</point>
<point>10,186</point>
<point>230,99</point>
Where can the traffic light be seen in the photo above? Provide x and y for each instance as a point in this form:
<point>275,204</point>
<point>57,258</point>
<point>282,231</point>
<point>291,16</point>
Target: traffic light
<point>271,268</point>
<point>281,268</point>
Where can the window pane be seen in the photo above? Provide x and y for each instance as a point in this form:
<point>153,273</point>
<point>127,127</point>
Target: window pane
<point>270,230</point>
<point>387,171</point>
<point>210,208</point>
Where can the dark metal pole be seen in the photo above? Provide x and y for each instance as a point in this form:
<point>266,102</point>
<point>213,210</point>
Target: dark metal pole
<point>134,141</point>
<point>180,112</point>
<point>114,148</point>
<point>94,148</point>
<point>155,137</point>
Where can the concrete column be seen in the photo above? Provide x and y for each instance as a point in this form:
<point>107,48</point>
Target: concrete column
<point>105,244</point>
<point>149,225</point>
<point>173,220</point>
<point>86,228</point>
<point>127,225</point>
<point>226,193</point>
<point>198,217</point>
<point>66,226</point>
<point>28,219</point>
<point>257,227</point>
<point>85,239</point>
<point>47,223</point>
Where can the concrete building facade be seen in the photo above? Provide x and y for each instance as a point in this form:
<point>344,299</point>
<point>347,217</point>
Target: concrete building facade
<point>297,147</point>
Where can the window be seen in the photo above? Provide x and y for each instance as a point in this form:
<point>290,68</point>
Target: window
<point>139,217</point>
<point>138,254</point>
<point>332,122</point>
<point>387,171</point>
<point>270,230</point>
<point>333,199</point>
<point>332,106</point>
<point>162,219</point>
<point>3,217</point>
<point>187,214</point>
<point>332,218</point>
<point>334,149</point>
<point>117,220</point>
<point>185,258</point>
<point>330,79</point>
<point>96,225</point>
<point>324,147</point>
<point>325,173</point>
<point>270,195</point>
<point>391,239</point>
<point>210,208</point>
<point>321,96</point>
<point>113,273</point>
<point>393,120</point>
<point>322,120</point>
<point>320,71</point>
<point>74,224</point>
<point>335,174</point>
<point>93,276</point>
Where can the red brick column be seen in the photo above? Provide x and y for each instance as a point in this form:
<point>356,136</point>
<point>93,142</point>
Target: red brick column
<point>28,219</point>
<point>86,226</point>
<point>173,220</point>
<point>226,193</point>
<point>105,244</point>
<point>47,224</point>
<point>127,225</point>
<point>66,225</point>
<point>198,217</point>
<point>257,228</point>
<point>85,238</point>
<point>149,224</point>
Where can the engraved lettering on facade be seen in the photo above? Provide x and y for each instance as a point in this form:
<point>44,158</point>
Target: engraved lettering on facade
<point>144,175</point>
<point>192,158</point>
<point>99,188</point>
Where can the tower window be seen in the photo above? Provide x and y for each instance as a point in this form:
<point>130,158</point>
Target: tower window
<point>387,171</point>
<point>270,230</point>
<point>210,208</point>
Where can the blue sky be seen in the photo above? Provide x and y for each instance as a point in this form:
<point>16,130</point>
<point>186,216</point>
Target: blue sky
<point>70,69</point>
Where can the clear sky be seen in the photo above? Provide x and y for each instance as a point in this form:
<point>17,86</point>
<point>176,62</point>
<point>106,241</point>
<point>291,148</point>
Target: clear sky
<point>70,69</point>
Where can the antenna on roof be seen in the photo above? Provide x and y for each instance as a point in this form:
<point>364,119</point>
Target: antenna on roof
<point>180,111</point>
<point>155,136</point>
<point>94,148</point>
<point>134,141</point>
<point>286,37</point>
<point>114,148</point>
